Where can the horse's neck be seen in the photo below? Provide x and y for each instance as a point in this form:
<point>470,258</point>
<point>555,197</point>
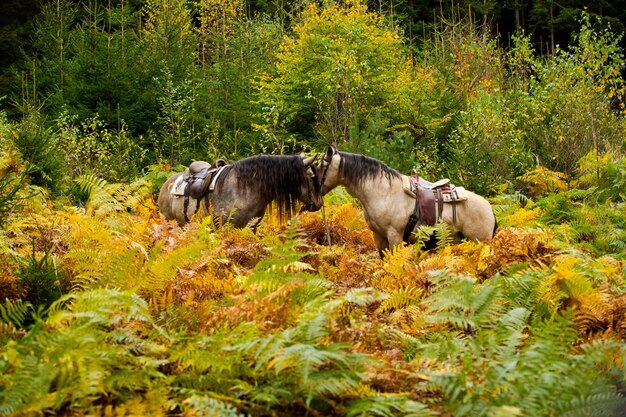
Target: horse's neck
<point>370,191</point>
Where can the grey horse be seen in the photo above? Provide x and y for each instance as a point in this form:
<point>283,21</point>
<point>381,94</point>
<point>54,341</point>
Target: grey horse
<point>241,192</point>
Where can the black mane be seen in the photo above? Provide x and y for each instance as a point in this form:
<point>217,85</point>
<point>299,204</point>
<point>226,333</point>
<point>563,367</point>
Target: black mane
<point>357,168</point>
<point>277,177</point>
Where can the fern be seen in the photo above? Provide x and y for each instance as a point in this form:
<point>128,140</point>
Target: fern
<point>387,406</point>
<point>90,183</point>
<point>401,298</point>
<point>309,367</point>
<point>105,199</point>
<point>204,406</point>
<point>15,313</point>
<point>462,303</point>
<point>283,263</point>
<point>594,405</point>
<point>96,341</point>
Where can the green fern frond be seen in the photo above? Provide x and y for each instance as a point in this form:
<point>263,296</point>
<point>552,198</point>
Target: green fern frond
<point>133,194</point>
<point>444,235</point>
<point>161,267</point>
<point>207,406</point>
<point>364,296</point>
<point>102,202</point>
<point>387,406</point>
<point>89,182</point>
<point>29,384</point>
<point>15,313</point>
<point>606,404</point>
<point>423,234</point>
<point>464,303</point>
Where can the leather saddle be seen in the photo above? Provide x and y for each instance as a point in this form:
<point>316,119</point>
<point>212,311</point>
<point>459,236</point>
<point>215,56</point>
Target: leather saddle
<point>198,178</point>
<point>194,183</point>
<point>195,176</point>
<point>429,200</point>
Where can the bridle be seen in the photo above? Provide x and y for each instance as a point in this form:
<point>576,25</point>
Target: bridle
<point>325,167</point>
<point>309,205</point>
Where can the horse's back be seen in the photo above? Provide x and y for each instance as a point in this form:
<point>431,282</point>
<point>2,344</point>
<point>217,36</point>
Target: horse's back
<point>165,197</point>
<point>477,218</point>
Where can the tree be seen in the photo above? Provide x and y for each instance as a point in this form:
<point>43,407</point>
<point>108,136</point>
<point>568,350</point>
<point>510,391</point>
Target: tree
<point>169,45</point>
<point>339,70</point>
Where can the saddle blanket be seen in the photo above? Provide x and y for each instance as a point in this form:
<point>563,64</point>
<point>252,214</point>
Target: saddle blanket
<point>459,194</point>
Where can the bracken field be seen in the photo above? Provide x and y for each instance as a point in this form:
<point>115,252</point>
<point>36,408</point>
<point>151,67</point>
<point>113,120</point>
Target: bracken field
<point>147,318</point>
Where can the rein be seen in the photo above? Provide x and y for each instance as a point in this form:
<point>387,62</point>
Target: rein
<point>326,166</point>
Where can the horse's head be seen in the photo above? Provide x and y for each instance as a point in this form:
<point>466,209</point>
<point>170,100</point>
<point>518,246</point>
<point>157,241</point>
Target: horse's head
<point>310,191</point>
<point>327,170</point>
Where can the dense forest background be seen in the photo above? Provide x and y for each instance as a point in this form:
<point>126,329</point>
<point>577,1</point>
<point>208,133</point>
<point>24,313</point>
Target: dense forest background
<point>112,88</point>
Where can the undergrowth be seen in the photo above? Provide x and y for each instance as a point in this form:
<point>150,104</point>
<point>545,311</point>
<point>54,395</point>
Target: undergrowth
<point>110,310</point>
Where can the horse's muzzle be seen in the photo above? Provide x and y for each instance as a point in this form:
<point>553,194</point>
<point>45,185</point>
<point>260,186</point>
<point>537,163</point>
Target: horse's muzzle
<point>310,207</point>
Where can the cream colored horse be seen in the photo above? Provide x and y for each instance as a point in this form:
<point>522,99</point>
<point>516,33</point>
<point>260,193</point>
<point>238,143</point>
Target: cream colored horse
<point>387,206</point>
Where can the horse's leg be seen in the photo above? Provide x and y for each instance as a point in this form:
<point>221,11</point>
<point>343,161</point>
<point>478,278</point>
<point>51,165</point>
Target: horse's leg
<point>381,243</point>
<point>394,238</point>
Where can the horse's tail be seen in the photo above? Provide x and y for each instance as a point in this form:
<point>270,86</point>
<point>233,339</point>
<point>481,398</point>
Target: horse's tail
<point>495,225</point>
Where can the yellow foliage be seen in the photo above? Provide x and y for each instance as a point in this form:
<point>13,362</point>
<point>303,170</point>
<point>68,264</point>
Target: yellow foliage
<point>541,181</point>
<point>568,287</point>
<point>149,404</point>
<point>220,16</point>
<point>472,258</point>
<point>522,217</point>
<point>592,165</point>
<point>208,279</point>
<point>10,161</point>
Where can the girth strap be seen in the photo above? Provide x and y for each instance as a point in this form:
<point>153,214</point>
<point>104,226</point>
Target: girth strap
<point>206,180</point>
<point>186,201</point>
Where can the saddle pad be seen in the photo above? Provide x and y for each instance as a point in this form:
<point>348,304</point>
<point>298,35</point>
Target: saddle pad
<point>178,188</point>
<point>459,194</point>
<point>406,186</point>
<point>215,177</point>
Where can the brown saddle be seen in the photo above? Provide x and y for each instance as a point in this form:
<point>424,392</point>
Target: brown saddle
<point>197,179</point>
<point>429,199</point>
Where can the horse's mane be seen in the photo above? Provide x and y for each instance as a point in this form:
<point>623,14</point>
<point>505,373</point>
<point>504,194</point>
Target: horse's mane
<point>357,168</point>
<point>277,177</point>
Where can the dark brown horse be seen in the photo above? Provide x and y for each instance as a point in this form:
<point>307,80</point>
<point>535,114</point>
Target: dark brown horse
<point>241,192</point>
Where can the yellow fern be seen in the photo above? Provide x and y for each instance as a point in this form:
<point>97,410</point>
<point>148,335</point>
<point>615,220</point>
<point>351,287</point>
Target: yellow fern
<point>541,180</point>
<point>523,217</point>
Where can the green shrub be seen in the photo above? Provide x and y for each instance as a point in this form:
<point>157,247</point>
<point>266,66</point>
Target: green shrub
<point>40,148</point>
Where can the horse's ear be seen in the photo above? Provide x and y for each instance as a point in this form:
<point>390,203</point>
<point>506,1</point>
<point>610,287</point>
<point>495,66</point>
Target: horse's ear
<point>308,161</point>
<point>332,150</point>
